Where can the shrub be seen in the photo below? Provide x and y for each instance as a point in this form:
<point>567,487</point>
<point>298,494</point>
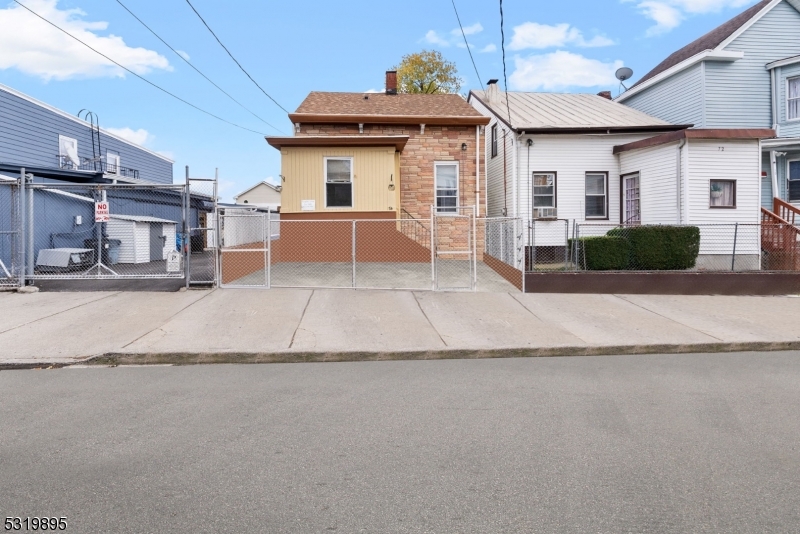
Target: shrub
<point>661,248</point>
<point>602,253</point>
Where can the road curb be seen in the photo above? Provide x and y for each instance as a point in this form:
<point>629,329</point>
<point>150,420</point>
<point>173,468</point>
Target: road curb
<point>201,358</point>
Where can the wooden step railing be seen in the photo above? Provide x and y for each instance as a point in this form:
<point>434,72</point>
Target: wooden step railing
<point>785,211</point>
<point>780,240</point>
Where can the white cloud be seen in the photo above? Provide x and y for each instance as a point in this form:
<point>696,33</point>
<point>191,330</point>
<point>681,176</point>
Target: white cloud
<point>669,14</point>
<point>488,48</point>
<point>183,54</point>
<point>433,38</point>
<point>468,30</point>
<point>34,47</point>
<point>140,136</point>
<point>373,91</point>
<point>561,70</point>
<point>540,36</point>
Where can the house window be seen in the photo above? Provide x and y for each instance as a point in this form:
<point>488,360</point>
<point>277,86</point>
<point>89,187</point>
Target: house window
<point>446,187</point>
<point>112,162</point>
<point>794,181</point>
<point>494,140</point>
<point>544,190</point>
<point>68,152</point>
<point>596,195</point>
<point>722,194</point>
<point>793,99</point>
<point>338,182</point>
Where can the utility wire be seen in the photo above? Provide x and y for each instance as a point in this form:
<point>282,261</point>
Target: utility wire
<point>195,68</point>
<point>233,58</point>
<point>465,42</point>
<point>503,46</point>
<point>138,76</point>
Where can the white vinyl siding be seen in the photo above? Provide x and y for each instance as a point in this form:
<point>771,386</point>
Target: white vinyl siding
<point>740,161</point>
<point>678,100</point>
<point>738,94</point>
<point>124,231</point>
<point>657,168</point>
<point>788,127</point>
<point>492,189</point>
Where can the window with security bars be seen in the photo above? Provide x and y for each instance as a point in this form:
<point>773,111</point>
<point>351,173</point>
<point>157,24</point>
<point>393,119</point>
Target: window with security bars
<point>596,195</point>
<point>338,182</point>
<point>794,181</point>
<point>446,187</point>
<point>544,190</point>
<point>793,99</point>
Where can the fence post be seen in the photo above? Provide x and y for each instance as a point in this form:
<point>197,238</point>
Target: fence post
<point>475,249</point>
<point>187,238</point>
<point>354,255</point>
<point>733,256</point>
<point>215,230</point>
<point>524,248</point>
<point>265,229</point>
<point>22,227</point>
<point>433,251</point>
<point>31,231</point>
<point>269,249</point>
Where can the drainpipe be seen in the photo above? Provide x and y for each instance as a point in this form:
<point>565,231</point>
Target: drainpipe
<point>773,159</point>
<point>478,170</point>
<point>773,82</point>
<point>679,175</point>
<point>515,173</point>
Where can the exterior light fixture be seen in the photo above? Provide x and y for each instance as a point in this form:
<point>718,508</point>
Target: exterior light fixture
<point>464,147</point>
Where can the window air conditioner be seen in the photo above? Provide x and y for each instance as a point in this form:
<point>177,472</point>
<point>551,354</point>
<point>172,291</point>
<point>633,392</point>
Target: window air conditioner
<point>544,213</point>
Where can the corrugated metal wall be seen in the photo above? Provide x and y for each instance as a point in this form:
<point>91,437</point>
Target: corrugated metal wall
<point>29,136</point>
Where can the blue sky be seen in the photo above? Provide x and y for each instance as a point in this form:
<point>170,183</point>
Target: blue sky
<point>292,48</point>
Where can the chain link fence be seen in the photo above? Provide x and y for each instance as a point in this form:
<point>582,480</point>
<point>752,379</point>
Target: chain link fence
<point>201,252</point>
<point>738,247</point>
<point>107,231</point>
<point>10,226</point>
<point>504,249</point>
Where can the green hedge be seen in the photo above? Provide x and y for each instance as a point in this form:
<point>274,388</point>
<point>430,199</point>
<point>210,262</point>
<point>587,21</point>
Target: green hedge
<point>661,248</point>
<point>602,253</point>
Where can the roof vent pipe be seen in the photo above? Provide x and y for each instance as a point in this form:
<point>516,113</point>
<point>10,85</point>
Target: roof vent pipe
<point>605,94</point>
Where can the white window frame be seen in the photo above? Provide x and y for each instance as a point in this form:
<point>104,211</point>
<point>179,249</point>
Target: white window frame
<point>604,195</point>
<point>735,191</point>
<point>325,182</point>
<point>789,81</point>
<point>789,177</point>
<point>110,154</point>
<point>555,189</point>
<point>61,154</point>
<point>494,141</point>
<point>447,211</point>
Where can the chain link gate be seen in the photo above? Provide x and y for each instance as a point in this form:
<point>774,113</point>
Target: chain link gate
<point>201,246</point>
<point>454,249</point>
<point>11,268</point>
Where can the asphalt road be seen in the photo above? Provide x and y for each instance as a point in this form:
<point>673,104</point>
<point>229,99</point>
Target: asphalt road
<point>689,443</point>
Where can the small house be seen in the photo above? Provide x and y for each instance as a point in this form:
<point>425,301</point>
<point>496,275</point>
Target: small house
<point>142,239</point>
<point>262,195</point>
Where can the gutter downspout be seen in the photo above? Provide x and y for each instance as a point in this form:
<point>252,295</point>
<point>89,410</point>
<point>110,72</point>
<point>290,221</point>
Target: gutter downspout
<point>505,174</point>
<point>478,171</point>
<point>679,174</point>
<point>773,159</point>
<point>515,174</point>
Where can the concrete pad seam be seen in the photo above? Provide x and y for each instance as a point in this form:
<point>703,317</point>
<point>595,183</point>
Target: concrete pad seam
<point>668,318</point>
<point>168,319</point>
<point>302,316</point>
<point>60,312</point>
<point>570,332</point>
<point>428,319</point>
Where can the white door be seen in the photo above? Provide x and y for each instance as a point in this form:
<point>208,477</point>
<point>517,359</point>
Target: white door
<point>631,202</point>
<point>112,162</point>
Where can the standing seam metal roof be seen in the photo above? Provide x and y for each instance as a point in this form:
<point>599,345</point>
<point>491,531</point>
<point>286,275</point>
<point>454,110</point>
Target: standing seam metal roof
<point>530,111</point>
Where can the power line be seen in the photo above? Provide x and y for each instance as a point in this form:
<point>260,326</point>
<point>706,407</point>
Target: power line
<point>195,68</point>
<point>465,42</point>
<point>233,58</point>
<point>138,76</point>
<point>503,46</point>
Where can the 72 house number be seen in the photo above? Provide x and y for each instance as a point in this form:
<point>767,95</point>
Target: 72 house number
<point>722,149</point>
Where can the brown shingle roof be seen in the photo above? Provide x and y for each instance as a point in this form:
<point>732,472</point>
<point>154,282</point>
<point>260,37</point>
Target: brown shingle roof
<point>347,106</point>
<point>709,41</point>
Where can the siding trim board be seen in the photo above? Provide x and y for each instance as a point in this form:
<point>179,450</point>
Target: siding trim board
<point>756,133</point>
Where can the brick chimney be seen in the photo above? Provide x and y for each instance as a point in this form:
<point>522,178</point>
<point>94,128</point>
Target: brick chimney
<point>492,92</point>
<point>605,94</point>
<point>391,82</point>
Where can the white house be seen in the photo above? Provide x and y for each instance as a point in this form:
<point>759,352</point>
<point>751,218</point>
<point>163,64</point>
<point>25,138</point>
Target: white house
<point>559,159</point>
<point>262,195</point>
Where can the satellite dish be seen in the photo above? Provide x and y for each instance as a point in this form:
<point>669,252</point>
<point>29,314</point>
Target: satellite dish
<point>624,74</point>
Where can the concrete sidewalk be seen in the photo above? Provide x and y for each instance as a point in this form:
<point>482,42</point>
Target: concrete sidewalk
<point>333,325</point>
